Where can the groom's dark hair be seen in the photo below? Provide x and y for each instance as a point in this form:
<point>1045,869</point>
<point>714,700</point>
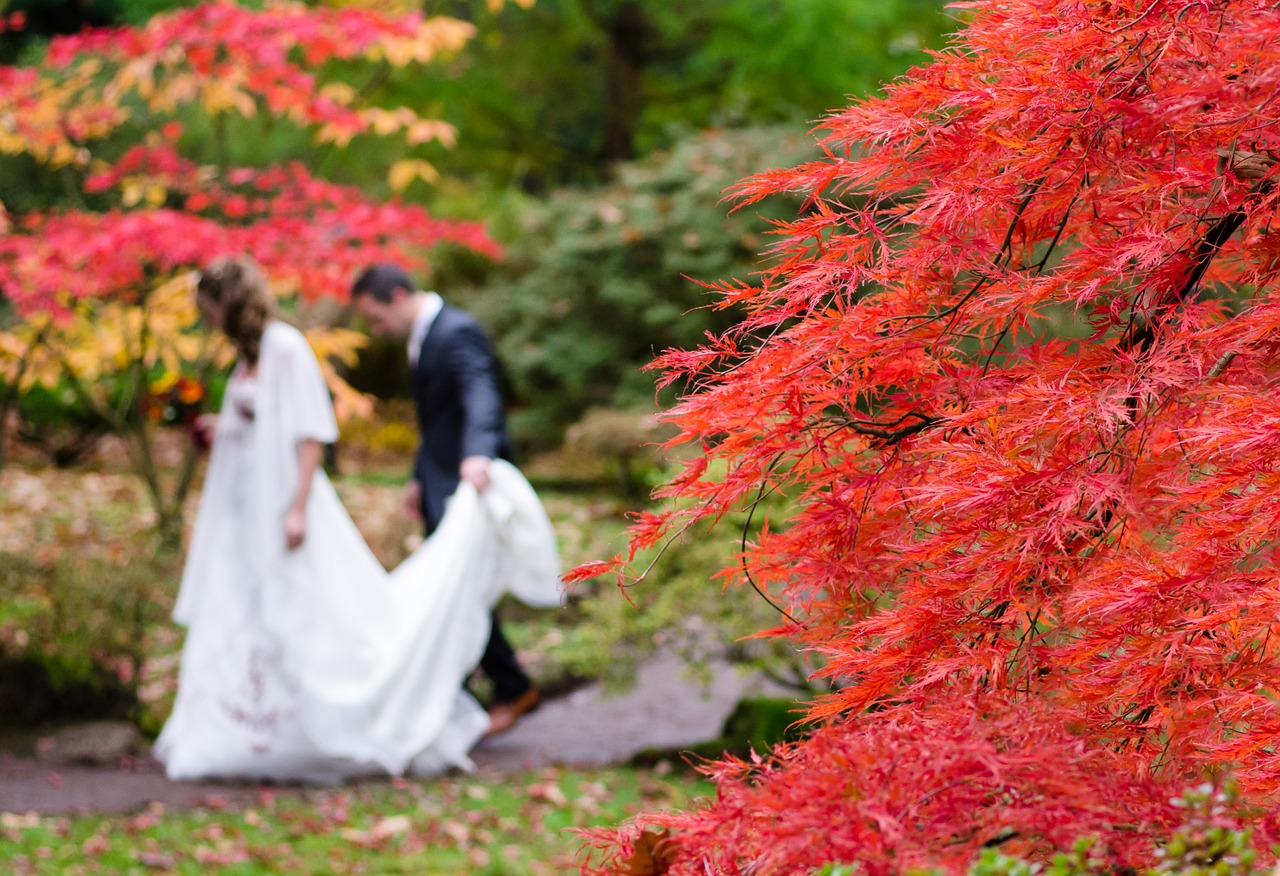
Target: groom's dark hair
<point>380,280</point>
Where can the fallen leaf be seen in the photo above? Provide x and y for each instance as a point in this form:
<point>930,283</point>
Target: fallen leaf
<point>548,791</point>
<point>13,821</point>
<point>391,825</point>
<point>651,855</point>
<point>156,860</point>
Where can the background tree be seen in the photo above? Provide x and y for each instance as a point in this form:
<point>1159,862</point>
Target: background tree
<point>106,111</point>
<point>595,244</point>
<point>1014,365</point>
<point>555,93</point>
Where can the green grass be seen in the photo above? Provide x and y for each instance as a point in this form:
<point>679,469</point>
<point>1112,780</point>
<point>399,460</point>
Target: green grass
<point>485,824</point>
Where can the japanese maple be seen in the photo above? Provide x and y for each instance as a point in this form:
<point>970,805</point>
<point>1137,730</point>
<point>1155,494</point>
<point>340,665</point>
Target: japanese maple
<point>1014,369</point>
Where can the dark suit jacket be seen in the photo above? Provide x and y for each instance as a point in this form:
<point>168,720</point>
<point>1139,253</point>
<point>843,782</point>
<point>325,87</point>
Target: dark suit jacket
<point>459,403</point>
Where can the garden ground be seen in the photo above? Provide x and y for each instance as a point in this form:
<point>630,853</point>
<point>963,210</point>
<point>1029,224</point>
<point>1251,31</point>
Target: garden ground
<point>587,728</point>
<point>561,769</point>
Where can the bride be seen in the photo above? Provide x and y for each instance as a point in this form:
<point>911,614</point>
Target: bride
<point>304,659</point>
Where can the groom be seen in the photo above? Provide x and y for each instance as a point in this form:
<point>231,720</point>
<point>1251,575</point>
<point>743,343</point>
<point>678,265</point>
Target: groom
<point>462,425</point>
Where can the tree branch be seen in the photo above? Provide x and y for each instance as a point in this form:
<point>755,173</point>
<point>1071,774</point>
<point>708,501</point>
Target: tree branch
<point>887,433</point>
<point>1244,165</point>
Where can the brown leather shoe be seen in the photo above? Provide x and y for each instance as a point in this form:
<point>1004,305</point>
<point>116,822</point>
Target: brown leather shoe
<point>502,716</point>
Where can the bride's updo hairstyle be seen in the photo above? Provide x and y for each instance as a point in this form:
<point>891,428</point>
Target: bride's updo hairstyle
<point>237,286</point>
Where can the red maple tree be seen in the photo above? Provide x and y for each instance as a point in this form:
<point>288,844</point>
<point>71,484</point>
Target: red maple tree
<point>94,90</point>
<point>97,281</point>
<point>1014,369</point>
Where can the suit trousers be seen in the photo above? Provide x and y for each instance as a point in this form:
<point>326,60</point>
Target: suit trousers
<point>499,661</point>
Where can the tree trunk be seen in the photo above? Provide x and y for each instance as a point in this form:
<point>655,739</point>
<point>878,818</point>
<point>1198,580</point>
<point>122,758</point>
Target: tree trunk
<point>627,31</point>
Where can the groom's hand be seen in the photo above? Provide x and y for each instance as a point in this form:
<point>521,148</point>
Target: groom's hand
<point>475,471</point>
<point>413,500</point>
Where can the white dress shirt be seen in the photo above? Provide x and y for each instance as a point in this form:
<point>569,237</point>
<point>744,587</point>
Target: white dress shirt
<point>429,307</point>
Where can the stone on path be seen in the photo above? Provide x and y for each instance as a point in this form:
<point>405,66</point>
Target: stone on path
<point>97,743</point>
<point>666,709</point>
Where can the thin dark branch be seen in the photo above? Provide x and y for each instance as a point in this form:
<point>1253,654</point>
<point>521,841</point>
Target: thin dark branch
<point>12,392</point>
<point>893,436</point>
<point>376,80</point>
<point>746,526</point>
<point>1210,245</point>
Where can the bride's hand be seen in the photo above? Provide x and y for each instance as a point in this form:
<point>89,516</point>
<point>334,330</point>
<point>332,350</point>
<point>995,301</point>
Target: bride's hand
<point>204,430</point>
<point>295,528</point>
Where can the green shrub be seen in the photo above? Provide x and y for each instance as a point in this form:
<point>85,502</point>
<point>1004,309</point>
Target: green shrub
<point>58,424</point>
<point>683,607</point>
<point>75,634</point>
<point>621,445</point>
<point>596,281</point>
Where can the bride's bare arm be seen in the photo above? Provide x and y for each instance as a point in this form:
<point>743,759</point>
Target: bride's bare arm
<point>310,453</point>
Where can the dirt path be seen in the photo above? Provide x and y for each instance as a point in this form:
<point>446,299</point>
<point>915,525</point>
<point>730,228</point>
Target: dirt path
<point>586,728</point>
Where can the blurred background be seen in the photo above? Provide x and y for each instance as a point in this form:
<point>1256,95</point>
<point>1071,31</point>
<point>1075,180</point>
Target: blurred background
<point>596,142</point>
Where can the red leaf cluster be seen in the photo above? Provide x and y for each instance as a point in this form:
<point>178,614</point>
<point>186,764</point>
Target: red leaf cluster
<point>51,260</point>
<point>311,231</point>
<point>1014,369</point>
<point>307,233</point>
<point>911,790</point>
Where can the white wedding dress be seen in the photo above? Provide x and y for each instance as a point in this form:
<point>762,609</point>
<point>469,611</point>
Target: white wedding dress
<point>317,665</point>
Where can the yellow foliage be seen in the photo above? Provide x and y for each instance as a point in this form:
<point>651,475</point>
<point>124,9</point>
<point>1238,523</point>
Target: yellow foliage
<point>417,129</point>
<point>384,122</point>
<point>103,339</point>
<point>403,173</point>
<point>138,76</point>
<point>330,343</point>
<point>425,130</point>
<point>220,95</point>
<point>18,347</point>
<point>165,382</point>
<point>338,135</point>
<point>375,434</point>
<point>339,92</point>
<point>134,190</point>
<point>434,36</point>
<point>56,106</point>
<point>162,337</point>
